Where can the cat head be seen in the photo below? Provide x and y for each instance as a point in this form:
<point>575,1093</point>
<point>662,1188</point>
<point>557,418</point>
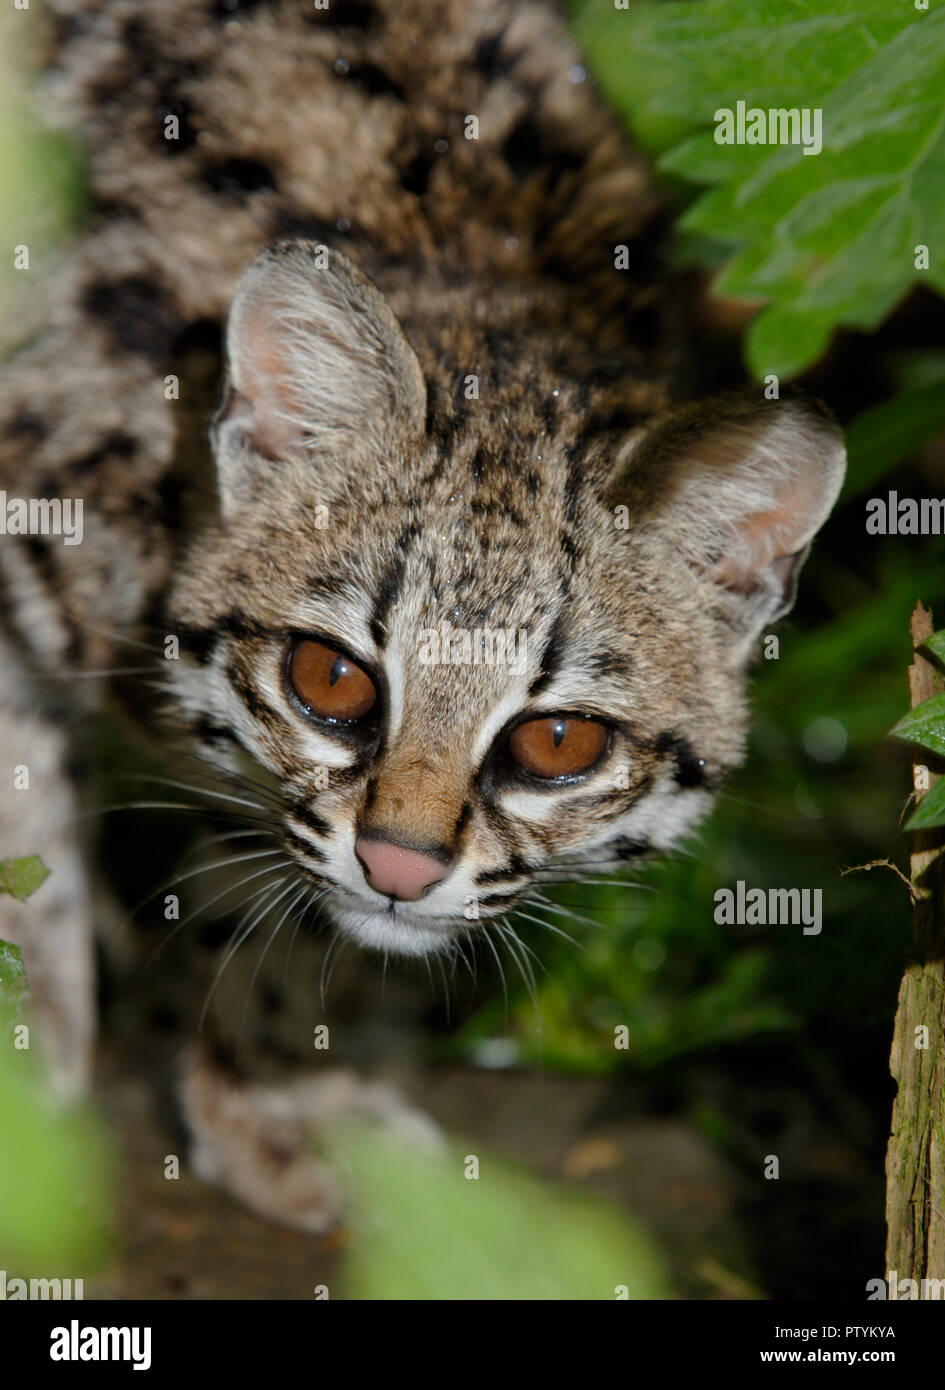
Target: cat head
<point>473,654</point>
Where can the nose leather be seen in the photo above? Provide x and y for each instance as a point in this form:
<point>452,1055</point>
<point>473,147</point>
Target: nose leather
<point>396,871</point>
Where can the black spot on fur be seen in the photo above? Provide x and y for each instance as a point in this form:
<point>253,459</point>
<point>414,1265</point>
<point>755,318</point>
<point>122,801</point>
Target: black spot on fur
<point>527,150</point>
<point>202,334</point>
<point>200,643</point>
<point>572,488</point>
<point>373,81</point>
<point>24,425</point>
<point>137,314</point>
<point>225,9</point>
<point>345,14</point>
<point>287,223</point>
<point>210,732</point>
<point>238,178</point>
<point>416,177</point>
<point>116,445</point>
<point>690,770</point>
<point>490,59</point>
<point>610,664</point>
<point>627,847</point>
<point>571,549</point>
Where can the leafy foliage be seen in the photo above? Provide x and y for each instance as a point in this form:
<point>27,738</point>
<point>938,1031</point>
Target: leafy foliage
<point>925,725</point>
<point>824,240</point>
<point>13,986</point>
<point>428,1232</point>
<point>21,877</point>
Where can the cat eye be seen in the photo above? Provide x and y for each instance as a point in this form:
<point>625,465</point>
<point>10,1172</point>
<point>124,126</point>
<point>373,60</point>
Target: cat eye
<point>329,684</point>
<point>558,745</point>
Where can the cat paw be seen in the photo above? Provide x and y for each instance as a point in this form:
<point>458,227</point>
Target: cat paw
<point>260,1142</point>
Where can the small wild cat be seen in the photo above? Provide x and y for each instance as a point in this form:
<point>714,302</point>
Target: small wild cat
<point>446,411</point>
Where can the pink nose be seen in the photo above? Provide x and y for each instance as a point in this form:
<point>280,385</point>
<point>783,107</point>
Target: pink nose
<point>396,871</point>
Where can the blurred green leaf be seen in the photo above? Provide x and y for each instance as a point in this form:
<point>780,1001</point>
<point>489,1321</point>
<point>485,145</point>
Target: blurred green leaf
<point>931,809</point>
<point>21,877</point>
<point>54,1176</point>
<point>13,984</point>
<point>880,438</point>
<point>426,1231</point>
<point>825,240</point>
<point>925,724</point>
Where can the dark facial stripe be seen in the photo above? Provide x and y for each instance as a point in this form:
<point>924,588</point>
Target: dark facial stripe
<point>389,587</point>
<point>516,868</point>
<point>497,899</point>
<point>301,811</point>
<point>259,708</point>
<point>551,659</point>
<point>690,770</point>
<point>304,847</point>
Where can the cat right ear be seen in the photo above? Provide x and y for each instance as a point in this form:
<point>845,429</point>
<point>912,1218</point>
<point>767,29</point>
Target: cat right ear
<point>318,368</point>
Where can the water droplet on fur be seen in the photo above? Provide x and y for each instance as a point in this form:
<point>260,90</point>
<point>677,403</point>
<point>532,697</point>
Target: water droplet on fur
<point>441,146</point>
<point>342,65</point>
<point>343,224</point>
<point>576,74</point>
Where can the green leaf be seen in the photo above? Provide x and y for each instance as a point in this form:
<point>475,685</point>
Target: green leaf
<point>55,1172</point>
<point>426,1231</point>
<point>925,725</point>
<point>13,984</point>
<point>930,810</point>
<point>826,239</point>
<point>936,645</point>
<point>880,438</point>
<point>21,877</point>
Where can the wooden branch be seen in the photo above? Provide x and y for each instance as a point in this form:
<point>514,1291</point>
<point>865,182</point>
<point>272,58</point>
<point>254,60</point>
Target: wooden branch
<point>915,1158</point>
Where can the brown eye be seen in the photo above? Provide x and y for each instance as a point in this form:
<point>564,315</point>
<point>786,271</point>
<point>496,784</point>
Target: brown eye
<point>557,745</point>
<point>329,684</point>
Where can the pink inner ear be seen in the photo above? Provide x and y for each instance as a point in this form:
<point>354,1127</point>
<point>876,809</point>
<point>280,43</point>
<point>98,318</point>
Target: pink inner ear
<point>265,383</point>
<point>761,541</point>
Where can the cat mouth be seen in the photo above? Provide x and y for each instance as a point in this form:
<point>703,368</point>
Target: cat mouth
<point>394,927</point>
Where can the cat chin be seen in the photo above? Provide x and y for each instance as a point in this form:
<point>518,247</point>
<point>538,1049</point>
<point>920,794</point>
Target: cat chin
<point>398,934</point>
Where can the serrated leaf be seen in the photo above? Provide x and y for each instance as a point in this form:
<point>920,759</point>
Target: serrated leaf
<point>930,810</point>
<point>13,983</point>
<point>925,725</point>
<point>829,239</point>
<point>21,877</point>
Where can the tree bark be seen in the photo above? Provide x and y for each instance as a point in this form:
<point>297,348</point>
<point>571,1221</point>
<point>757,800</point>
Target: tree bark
<point>915,1158</point>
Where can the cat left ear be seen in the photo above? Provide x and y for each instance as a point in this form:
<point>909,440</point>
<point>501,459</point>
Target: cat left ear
<point>740,487</point>
<point>318,368</point>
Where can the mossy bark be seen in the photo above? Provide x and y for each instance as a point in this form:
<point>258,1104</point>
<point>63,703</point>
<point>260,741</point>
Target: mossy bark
<point>915,1158</point>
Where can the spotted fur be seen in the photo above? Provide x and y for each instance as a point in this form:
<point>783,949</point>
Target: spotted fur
<point>640,549</point>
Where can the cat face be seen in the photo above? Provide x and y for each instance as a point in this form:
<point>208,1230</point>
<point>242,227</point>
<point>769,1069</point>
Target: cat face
<point>471,659</point>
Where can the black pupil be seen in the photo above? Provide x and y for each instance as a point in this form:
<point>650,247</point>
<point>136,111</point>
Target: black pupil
<point>559,732</point>
<point>338,670</point>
